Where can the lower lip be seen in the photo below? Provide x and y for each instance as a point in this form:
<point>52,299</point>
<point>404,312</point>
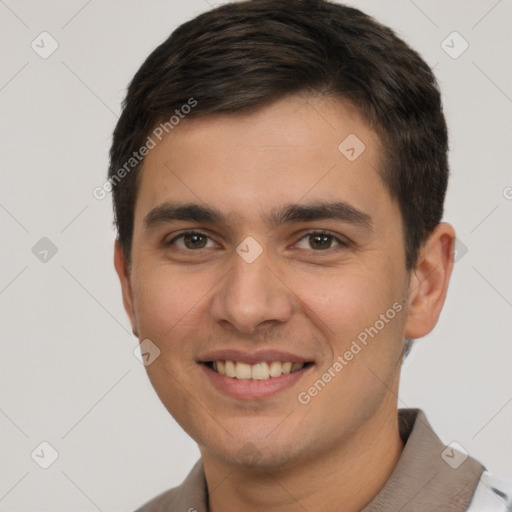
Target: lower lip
<point>253,389</point>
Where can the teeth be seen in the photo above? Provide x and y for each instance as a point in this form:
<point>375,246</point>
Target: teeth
<point>258,371</point>
<point>296,366</point>
<point>243,371</point>
<point>230,369</point>
<point>276,369</point>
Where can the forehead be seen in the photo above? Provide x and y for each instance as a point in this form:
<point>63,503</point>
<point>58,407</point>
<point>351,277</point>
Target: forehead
<point>296,150</point>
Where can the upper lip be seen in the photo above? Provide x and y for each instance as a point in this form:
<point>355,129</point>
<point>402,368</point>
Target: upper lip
<point>253,356</point>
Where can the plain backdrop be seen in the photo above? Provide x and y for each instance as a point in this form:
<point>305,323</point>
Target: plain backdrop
<point>68,374</point>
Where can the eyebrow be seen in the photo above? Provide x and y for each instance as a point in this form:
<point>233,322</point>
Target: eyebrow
<point>321,210</point>
<point>168,212</point>
<point>290,213</point>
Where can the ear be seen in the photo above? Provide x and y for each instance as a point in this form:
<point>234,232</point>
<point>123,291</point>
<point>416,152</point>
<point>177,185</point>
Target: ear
<point>126,288</point>
<point>429,281</point>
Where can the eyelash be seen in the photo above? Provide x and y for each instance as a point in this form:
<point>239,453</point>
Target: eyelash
<point>186,233</point>
<point>342,243</point>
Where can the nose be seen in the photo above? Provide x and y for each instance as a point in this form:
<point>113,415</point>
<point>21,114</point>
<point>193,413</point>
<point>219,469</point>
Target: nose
<point>252,296</point>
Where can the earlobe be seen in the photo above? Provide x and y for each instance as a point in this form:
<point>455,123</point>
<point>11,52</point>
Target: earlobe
<point>429,281</point>
<point>126,288</point>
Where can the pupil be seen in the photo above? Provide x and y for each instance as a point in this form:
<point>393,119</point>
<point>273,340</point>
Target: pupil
<point>195,241</point>
<point>321,241</point>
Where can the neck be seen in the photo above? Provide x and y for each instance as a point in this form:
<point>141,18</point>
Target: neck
<point>346,478</point>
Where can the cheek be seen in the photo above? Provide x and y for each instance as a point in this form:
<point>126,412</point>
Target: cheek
<point>347,307</point>
<point>169,302</point>
<point>344,302</point>
<point>170,308</point>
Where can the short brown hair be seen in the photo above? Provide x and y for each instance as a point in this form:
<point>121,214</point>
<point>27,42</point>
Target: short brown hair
<point>243,55</point>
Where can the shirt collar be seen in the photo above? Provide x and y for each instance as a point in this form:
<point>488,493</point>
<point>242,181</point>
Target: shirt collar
<point>429,476</point>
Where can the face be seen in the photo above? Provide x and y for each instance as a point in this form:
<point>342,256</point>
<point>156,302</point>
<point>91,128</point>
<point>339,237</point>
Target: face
<point>268,267</point>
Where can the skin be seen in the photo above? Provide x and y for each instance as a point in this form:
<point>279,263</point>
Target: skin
<point>300,296</point>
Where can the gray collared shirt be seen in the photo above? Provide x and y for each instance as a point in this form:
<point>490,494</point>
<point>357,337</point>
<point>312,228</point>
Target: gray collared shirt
<point>429,476</point>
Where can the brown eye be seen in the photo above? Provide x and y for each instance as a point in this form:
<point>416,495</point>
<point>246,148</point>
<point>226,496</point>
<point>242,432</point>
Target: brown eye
<point>320,241</point>
<point>193,240</point>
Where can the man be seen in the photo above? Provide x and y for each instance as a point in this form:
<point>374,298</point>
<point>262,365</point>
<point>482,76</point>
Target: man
<point>279,174</point>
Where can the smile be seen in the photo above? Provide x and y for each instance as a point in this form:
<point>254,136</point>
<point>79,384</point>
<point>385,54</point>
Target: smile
<point>259,371</point>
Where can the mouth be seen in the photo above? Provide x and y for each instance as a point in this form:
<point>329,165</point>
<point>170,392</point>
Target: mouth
<point>261,371</point>
<point>254,375</point>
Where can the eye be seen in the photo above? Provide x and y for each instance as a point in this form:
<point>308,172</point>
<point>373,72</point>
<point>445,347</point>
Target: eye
<point>192,240</point>
<point>320,241</point>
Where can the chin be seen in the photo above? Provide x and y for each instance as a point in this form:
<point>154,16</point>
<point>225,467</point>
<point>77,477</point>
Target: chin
<point>252,455</point>
<point>255,447</point>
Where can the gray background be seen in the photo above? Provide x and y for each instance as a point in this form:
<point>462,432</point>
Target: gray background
<point>68,375</point>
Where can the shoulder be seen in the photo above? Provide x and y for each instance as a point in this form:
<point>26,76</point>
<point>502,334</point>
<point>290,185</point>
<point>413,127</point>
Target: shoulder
<point>492,494</point>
